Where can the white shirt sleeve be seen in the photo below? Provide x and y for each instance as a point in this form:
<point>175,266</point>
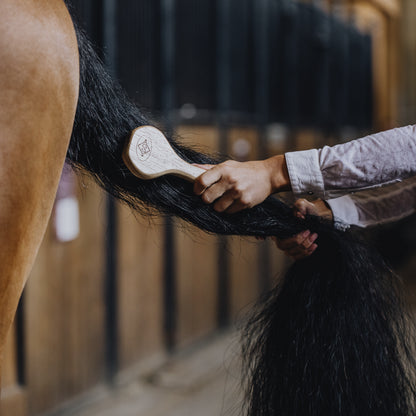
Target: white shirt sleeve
<point>376,160</point>
<point>376,206</point>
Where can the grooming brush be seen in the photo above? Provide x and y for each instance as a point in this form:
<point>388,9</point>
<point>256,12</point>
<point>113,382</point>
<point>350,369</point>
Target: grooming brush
<point>148,155</point>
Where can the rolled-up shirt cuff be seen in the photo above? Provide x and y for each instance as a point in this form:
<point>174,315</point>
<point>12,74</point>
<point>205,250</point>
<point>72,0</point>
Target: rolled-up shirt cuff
<point>305,174</point>
<point>344,211</point>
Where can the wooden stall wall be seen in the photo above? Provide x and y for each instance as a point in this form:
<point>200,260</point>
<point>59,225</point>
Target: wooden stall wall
<point>62,350</point>
<point>407,63</point>
<point>139,290</point>
<point>57,351</point>
<point>65,313</point>
<point>196,261</point>
<point>14,393</point>
<point>379,18</point>
<point>64,306</point>
<point>243,252</point>
<point>407,116</point>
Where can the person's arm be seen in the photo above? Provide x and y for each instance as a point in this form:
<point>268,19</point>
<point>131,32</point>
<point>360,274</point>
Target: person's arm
<point>233,186</point>
<point>303,244</point>
<point>363,209</point>
<point>377,206</point>
<point>375,160</point>
<point>330,172</point>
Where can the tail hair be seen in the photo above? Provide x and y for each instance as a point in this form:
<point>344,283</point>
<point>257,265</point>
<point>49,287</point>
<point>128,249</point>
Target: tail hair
<point>331,339</point>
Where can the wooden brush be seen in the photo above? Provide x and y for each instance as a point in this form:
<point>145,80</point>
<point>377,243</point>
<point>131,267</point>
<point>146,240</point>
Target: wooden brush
<point>148,154</point>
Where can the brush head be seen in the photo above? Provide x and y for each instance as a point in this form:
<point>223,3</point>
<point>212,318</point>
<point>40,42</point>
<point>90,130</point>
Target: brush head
<point>148,155</point>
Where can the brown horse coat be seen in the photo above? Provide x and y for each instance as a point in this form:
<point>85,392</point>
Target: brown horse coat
<point>39,81</point>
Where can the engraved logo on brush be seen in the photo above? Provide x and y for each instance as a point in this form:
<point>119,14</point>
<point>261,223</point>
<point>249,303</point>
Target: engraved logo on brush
<point>144,148</point>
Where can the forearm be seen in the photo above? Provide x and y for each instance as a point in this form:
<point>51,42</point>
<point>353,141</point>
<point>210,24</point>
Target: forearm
<point>377,206</point>
<point>372,161</point>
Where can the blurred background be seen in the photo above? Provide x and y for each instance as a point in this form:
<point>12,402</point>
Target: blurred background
<point>113,296</point>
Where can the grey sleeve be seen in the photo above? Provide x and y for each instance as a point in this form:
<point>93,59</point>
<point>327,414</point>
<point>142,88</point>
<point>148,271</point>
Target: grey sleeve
<point>375,206</point>
<point>375,160</point>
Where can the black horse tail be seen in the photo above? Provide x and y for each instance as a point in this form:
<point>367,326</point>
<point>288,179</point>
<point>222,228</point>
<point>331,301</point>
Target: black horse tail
<point>331,339</point>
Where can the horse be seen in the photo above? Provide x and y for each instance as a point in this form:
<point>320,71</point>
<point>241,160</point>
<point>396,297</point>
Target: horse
<point>39,82</point>
<point>329,340</point>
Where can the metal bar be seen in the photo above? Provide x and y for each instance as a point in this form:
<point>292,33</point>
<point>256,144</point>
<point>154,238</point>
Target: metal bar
<point>167,104</point>
<point>223,103</point>
<point>223,65</point>
<point>321,23</point>
<point>261,42</point>
<point>109,42</point>
<point>111,289</point>
<point>110,34</point>
<point>167,58</point>
<point>20,342</point>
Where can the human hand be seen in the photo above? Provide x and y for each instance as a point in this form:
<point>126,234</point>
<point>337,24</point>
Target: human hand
<point>303,244</point>
<point>233,186</point>
<point>319,207</point>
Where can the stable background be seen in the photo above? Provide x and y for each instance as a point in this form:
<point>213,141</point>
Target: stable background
<point>246,78</point>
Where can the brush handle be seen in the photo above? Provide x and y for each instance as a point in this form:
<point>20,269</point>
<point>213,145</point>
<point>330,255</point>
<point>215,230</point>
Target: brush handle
<point>185,170</point>
<point>148,155</point>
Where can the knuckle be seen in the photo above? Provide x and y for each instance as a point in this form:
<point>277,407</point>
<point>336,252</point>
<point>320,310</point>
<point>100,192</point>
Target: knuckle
<point>232,179</point>
<point>226,167</point>
<point>244,200</point>
<point>206,198</point>
<point>300,202</point>
<point>229,164</point>
<point>306,244</point>
<point>298,239</point>
<point>203,181</point>
<point>238,187</point>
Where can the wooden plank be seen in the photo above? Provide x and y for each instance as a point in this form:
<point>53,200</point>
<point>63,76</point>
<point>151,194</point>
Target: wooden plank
<point>196,257</point>
<point>196,271</point>
<point>202,138</point>
<point>13,401</point>
<point>9,376</point>
<point>278,141</point>
<point>390,7</point>
<point>243,259</point>
<point>307,139</point>
<point>13,396</point>
<point>85,320</point>
<point>64,311</point>
<point>244,275</point>
<point>407,61</point>
<point>140,288</point>
<point>372,20</point>
<point>278,262</point>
